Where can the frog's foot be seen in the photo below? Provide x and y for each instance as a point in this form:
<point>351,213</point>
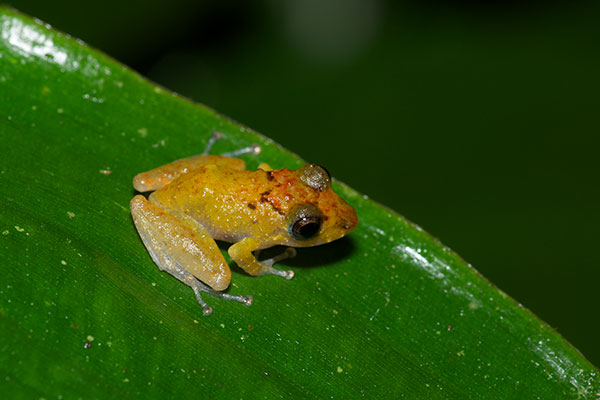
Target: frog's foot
<point>198,287</point>
<point>216,136</point>
<point>254,149</point>
<point>267,265</point>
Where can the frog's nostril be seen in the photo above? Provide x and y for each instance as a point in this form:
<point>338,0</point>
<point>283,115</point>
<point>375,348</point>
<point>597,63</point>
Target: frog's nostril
<point>346,225</point>
<point>349,222</point>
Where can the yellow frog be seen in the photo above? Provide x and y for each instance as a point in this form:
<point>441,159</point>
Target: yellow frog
<point>200,199</point>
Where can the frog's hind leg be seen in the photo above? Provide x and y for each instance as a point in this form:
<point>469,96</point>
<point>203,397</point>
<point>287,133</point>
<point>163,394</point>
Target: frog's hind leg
<point>216,136</point>
<point>183,248</point>
<point>198,287</point>
<point>159,177</point>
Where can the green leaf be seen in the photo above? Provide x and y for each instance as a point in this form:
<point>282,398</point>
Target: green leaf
<point>386,312</point>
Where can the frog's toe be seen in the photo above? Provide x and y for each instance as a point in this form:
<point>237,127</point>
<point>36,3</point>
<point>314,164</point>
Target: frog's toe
<point>288,274</point>
<point>267,265</point>
<point>198,287</point>
<point>206,309</point>
<point>253,149</point>
<point>269,270</point>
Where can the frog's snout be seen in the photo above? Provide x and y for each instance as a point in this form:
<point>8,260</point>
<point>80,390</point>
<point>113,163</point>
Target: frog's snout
<point>349,221</point>
<point>345,222</point>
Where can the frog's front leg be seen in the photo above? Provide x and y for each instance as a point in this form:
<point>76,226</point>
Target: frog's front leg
<point>183,248</point>
<point>241,253</point>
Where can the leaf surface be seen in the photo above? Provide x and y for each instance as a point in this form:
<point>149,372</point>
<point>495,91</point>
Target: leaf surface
<point>386,312</point>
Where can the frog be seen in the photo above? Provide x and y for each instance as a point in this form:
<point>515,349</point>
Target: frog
<point>196,201</point>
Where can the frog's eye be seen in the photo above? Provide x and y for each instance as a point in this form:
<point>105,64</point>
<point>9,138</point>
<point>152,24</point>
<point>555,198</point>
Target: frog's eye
<point>315,176</point>
<point>305,222</point>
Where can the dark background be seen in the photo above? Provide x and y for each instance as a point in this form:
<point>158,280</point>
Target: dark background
<point>476,120</point>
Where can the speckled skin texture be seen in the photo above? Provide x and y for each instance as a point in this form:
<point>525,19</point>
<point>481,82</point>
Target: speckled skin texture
<point>203,198</point>
<point>233,205</point>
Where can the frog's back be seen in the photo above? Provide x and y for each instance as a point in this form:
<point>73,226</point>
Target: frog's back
<point>229,203</point>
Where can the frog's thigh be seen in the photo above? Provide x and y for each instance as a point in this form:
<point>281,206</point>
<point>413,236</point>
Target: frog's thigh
<point>159,177</point>
<point>178,247</point>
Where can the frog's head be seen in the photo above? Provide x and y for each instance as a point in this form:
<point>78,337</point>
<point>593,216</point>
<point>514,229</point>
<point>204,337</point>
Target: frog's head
<point>324,216</point>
